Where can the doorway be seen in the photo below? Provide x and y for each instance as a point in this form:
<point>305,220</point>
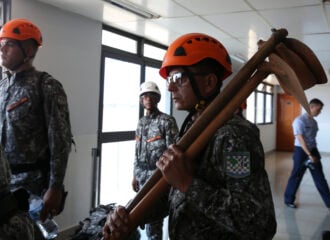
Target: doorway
<point>288,108</point>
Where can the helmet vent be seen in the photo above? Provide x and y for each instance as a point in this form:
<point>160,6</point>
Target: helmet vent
<point>16,30</point>
<point>180,52</point>
<point>228,59</point>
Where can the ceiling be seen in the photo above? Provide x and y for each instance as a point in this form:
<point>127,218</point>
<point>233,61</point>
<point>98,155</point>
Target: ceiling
<point>238,24</point>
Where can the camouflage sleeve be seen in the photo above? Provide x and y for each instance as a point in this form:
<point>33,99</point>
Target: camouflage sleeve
<point>235,193</point>
<point>4,173</point>
<point>17,227</point>
<point>59,129</point>
<point>172,131</point>
<point>12,226</point>
<point>137,146</point>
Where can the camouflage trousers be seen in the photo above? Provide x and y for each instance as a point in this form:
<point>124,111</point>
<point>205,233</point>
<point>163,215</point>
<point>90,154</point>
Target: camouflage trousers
<point>18,227</point>
<point>154,230</point>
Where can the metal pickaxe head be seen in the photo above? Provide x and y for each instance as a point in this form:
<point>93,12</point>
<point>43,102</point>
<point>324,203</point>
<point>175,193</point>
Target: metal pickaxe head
<point>296,68</point>
<point>308,57</point>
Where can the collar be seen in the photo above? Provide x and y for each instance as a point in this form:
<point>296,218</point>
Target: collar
<point>154,113</point>
<point>24,72</point>
<point>12,77</point>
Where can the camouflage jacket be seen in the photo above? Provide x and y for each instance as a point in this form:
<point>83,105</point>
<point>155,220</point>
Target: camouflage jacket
<point>4,174</point>
<point>18,226</point>
<point>154,134</point>
<point>230,196</point>
<point>35,129</point>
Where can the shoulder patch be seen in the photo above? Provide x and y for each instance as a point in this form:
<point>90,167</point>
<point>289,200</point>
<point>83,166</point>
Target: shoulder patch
<point>237,164</point>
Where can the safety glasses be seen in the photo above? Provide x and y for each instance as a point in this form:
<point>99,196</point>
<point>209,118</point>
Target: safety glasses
<point>8,43</point>
<point>180,78</point>
<point>177,78</point>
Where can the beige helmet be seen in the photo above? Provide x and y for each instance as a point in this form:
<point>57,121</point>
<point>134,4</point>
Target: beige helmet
<point>149,87</point>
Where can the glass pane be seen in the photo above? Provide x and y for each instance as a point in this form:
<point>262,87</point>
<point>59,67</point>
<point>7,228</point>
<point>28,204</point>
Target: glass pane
<point>268,112</point>
<point>250,109</point>
<point>154,52</point>
<point>121,96</point>
<point>260,108</point>
<point>261,87</point>
<point>152,74</point>
<point>2,11</point>
<point>117,172</point>
<point>118,41</point>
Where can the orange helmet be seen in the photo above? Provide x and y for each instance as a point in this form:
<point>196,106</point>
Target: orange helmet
<point>21,29</point>
<point>191,48</point>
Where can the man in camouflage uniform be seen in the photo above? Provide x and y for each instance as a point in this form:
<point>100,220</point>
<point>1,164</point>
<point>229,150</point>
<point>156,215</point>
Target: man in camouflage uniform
<point>224,192</point>
<point>14,224</point>
<point>154,133</point>
<point>34,118</point>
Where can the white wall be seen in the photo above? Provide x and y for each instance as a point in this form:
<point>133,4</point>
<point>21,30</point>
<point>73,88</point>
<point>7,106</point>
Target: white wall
<point>323,93</point>
<point>268,136</point>
<point>71,53</point>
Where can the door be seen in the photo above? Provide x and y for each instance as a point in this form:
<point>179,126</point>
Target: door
<point>288,108</point>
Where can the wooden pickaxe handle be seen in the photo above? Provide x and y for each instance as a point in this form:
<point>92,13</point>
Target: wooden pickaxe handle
<point>138,212</point>
<point>137,207</point>
<point>217,104</point>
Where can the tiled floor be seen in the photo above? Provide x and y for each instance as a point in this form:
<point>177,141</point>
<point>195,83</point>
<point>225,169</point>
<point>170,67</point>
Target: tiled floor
<point>312,217</point>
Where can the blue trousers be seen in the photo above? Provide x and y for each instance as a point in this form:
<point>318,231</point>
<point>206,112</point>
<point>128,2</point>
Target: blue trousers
<point>298,171</point>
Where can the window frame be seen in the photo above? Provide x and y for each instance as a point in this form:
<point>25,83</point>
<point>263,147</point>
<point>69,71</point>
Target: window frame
<point>264,93</point>
<point>110,137</point>
<point>5,11</point>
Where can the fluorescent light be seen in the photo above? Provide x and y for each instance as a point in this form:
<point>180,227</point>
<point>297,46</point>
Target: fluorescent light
<point>133,8</point>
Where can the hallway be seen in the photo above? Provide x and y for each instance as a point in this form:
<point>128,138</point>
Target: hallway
<point>311,217</point>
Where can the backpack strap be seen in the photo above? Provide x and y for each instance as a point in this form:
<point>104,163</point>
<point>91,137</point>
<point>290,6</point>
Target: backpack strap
<point>8,206</point>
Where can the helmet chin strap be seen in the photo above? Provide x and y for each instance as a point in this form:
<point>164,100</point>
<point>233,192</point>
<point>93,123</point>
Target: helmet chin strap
<point>25,57</point>
<point>202,102</point>
<point>200,105</point>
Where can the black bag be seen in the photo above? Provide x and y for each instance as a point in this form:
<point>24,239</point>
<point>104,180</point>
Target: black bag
<point>22,199</point>
<point>13,202</point>
<point>91,227</point>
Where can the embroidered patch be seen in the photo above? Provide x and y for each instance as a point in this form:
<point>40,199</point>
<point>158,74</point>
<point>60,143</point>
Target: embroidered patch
<point>237,164</point>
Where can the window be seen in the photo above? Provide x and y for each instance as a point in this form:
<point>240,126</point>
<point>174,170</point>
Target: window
<point>154,52</point>
<point>5,11</point>
<point>120,95</point>
<point>127,61</point>
<point>118,41</point>
<point>260,104</point>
